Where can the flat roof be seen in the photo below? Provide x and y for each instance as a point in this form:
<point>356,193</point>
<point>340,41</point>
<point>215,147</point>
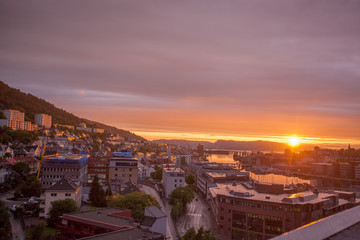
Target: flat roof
<point>131,234</point>
<point>226,175</point>
<point>239,191</point>
<point>173,169</point>
<point>102,218</point>
<point>334,226</point>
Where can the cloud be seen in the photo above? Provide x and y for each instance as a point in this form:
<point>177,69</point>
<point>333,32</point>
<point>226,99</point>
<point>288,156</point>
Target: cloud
<point>212,66</point>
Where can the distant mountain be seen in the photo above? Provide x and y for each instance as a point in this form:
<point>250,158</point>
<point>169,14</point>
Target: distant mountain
<point>11,98</point>
<point>234,145</point>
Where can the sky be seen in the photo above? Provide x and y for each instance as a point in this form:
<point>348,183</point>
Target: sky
<point>208,70</point>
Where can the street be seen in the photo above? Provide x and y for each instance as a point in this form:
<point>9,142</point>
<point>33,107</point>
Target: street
<point>170,228</point>
<point>17,230</point>
<point>197,215</point>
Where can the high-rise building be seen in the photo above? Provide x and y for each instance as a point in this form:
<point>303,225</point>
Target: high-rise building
<point>14,115</point>
<point>43,120</point>
<point>73,167</point>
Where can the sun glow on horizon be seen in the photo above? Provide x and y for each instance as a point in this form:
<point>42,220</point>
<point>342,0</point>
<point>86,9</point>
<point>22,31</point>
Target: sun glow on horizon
<point>294,141</point>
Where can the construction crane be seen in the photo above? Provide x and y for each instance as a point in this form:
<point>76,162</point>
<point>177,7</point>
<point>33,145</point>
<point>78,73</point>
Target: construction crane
<point>41,161</point>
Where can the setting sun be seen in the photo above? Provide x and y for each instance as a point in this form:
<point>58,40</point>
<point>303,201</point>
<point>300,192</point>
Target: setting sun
<point>294,141</point>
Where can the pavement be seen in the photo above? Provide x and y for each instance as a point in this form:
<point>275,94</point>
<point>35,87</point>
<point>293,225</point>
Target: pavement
<point>170,227</point>
<point>197,215</point>
<point>17,230</point>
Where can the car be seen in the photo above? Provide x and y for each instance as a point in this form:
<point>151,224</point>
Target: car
<point>13,208</point>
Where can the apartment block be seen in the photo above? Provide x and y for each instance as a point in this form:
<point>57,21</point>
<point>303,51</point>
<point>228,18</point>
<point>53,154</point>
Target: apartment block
<point>73,167</point>
<point>122,169</point>
<point>43,120</point>
<point>172,178</point>
<point>242,211</point>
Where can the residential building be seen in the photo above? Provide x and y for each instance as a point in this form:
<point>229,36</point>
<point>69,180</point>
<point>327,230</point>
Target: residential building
<point>14,115</point>
<point>104,224</point>
<point>74,167</point>
<point>172,178</point>
<point>99,167</point>
<point>98,130</point>
<point>43,120</point>
<point>264,211</point>
<point>61,190</point>
<point>122,168</point>
<point>155,220</point>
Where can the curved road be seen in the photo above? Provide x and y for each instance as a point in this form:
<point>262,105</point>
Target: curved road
<point>197,215</point>
<point>170,228</point>
<point>17,230</point>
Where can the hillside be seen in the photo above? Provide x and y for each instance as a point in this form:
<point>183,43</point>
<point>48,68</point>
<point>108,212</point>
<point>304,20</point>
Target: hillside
<point>11,98</point>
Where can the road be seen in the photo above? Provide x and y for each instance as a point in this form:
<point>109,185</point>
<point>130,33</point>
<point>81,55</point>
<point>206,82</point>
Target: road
<point>170,228</point>
<point>197,215</point>
<point>17,230</point>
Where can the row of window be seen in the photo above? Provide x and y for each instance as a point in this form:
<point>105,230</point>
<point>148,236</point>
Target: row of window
<point>123,175</point>
<point>61,169</point>
<point>279,208</point>
<point>66,194</point>
<point>123,169</point>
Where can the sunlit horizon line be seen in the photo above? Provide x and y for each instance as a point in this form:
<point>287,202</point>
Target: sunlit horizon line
<point>157,135</point>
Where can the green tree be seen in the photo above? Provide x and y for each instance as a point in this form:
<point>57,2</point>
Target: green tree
<point>22,168</point>
<point>97,194</point>
<point>38,230</point>
<point>28,188</point>
<point>177,210</point>
<point>5,227</point>
<point>136,202</point>
<point>201,234</point>
<point>157,175</point>
<point>7,155</point>
<point>189,179</point>
<point>60,207</point>
<point>182,194</point>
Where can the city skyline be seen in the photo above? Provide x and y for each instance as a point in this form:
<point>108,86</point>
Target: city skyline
<point>193,70</point>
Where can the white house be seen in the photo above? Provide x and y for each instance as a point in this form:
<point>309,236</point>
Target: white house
<point>172,178</point>
<point>61,190</point>
<point>154,220</point>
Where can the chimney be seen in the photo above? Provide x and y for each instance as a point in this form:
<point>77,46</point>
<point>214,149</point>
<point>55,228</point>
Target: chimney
<point>316,191</point>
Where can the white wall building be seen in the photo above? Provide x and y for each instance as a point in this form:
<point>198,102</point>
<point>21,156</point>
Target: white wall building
<point>154,220</point>
<point>172,178</point>
<point>61,190</point>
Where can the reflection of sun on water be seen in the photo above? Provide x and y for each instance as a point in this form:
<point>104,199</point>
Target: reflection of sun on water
<point>294,141</point>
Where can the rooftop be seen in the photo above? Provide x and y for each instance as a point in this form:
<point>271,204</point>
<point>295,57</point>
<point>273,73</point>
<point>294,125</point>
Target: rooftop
<point>156,212</point>
<point>130,234</point>
<point>239,191</point>
<point>343,225</point>
<point>63,185</point>
<point>105,218</point>
<point>172,169</point>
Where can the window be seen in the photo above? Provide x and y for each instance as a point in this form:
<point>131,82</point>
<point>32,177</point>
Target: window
<point>67,194</point>
<point>115,169</point>
<point>53,194</point>
<point>175,185</point>
<point>175,180</point>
